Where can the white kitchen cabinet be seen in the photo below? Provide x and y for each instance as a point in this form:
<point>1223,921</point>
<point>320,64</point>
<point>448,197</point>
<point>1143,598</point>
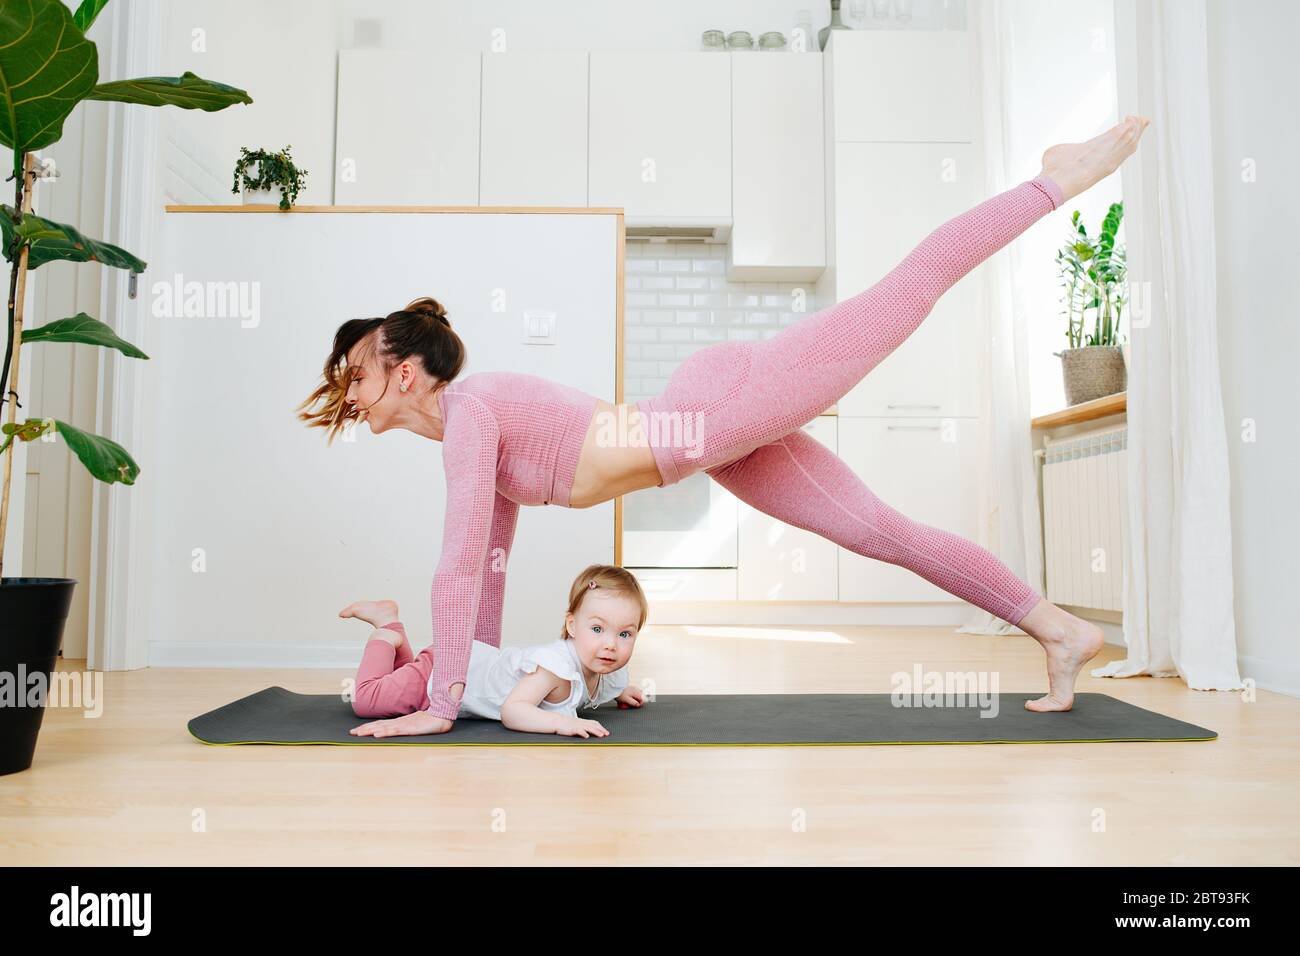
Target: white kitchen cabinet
<point>779,562</point>
<point>902,86</point>
<point>778,174</point>
<point>534,144</point>
<point>659,134</point>
<point>890,196</point>
<point>925,468</point>
<point>407,128</point>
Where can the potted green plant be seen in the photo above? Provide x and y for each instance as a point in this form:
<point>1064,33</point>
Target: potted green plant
<point>276,172</point>
<point>48,67</point>
<point>1093,276</point>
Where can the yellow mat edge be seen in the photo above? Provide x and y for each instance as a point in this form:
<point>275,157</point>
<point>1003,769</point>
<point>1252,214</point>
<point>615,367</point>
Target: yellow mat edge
<point>824,743</point>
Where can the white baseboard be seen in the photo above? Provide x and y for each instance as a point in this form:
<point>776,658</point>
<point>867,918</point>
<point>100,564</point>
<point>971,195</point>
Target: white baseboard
<point>797,613</point>
<point>1281,680</point>
<point>703,613</point>
<point>249,654</point>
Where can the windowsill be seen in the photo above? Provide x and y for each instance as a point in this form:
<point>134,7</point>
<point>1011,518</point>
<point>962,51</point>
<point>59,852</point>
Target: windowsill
<point>1086,411</point>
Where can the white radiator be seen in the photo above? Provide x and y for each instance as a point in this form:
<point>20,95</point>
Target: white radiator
<point>1084,490</point>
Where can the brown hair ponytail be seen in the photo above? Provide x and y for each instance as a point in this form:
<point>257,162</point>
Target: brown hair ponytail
<point>421,329</point>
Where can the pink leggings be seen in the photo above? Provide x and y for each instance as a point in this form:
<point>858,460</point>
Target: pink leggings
<point>390,682</point>
<point>748,401</point>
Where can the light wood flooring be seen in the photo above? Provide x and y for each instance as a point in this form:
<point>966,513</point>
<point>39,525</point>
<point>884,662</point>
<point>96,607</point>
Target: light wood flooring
<point>133,787</point>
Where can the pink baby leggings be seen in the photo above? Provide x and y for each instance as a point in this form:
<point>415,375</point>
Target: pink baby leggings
<point>390,682</point>
<point>752,399</point>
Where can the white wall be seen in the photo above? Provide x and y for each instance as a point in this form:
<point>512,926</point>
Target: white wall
<point>1254,74</point>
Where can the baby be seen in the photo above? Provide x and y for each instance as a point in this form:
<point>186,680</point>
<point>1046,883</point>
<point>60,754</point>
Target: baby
<point>536,689</point>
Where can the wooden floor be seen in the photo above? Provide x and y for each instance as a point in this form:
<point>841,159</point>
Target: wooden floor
<point>133,787</point>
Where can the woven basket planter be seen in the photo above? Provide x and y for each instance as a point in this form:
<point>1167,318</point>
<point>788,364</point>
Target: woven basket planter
<point>1093,371</point>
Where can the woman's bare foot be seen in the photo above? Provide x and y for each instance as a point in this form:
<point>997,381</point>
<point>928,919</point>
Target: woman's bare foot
<point>1076,166</point>
<point>1069,642</point>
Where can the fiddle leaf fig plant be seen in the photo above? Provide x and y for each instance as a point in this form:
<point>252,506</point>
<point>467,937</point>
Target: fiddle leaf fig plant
<point>47,67</point>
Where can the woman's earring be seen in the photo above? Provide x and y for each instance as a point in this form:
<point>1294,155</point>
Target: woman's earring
<point>402,386</point>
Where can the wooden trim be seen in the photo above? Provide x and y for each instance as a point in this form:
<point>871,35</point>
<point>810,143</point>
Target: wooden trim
<point>1086,411</point>
<point>272,207</point>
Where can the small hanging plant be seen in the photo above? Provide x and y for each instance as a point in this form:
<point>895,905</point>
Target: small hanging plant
<point>273,169</point>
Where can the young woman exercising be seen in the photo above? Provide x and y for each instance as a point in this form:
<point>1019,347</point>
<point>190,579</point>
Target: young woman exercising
<point>733,410</point>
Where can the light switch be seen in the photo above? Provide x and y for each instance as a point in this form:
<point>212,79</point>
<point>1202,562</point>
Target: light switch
<point>539,327</point>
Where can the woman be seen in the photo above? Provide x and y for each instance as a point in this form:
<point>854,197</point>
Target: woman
<point>733,410</point>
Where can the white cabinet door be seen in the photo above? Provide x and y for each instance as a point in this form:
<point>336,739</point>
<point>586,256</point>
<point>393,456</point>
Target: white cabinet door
<point>660,133</point>
<point>924,468</point>
<point>779,562</point>
<point>407,128</point>
<point>903,86</point>
<point>890,196</point>
<point>778,172</point>
<point>534,149</point>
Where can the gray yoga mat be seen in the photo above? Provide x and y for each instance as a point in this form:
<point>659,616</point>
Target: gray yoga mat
<point>279,716</point>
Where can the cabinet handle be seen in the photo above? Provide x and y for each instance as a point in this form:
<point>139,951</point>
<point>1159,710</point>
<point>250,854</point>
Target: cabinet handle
<point>914,428</point>
<point>912,406</point>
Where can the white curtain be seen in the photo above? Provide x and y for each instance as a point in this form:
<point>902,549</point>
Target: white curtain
<point>1009,514</point>
<point>1178,616</point>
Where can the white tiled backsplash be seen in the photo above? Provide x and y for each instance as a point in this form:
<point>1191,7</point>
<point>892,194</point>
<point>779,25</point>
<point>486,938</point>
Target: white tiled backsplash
<point>678,300</point>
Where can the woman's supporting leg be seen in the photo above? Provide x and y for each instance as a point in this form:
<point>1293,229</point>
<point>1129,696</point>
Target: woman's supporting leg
<point>803,483</point>
<point>389,681</point>
<point>800,481</point>
<point>735,397</point>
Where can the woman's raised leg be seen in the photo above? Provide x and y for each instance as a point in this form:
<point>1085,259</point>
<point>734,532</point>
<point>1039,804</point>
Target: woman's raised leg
<point>731,398</point>
<point>800,481</point>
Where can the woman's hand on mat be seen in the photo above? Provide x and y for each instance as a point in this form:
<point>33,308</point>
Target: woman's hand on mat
<point>579,727</point>
<point>411,725</point>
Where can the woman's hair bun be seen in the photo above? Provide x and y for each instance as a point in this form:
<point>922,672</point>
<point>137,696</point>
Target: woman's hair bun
<point>427,305</point>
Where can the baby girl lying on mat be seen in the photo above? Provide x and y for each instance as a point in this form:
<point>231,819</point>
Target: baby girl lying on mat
<point>537,689</point>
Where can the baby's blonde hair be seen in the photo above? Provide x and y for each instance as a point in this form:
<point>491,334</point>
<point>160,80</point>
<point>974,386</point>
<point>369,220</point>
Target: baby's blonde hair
<point>610,577</point>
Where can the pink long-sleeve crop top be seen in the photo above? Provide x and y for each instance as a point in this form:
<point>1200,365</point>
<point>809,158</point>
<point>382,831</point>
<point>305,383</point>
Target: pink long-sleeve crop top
<point>509,439</point>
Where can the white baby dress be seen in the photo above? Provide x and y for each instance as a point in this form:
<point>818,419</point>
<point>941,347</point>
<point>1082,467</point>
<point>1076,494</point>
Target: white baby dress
<point>493,673</point>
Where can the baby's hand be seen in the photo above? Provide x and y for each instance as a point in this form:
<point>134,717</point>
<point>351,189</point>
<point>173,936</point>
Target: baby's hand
<point>631,697</point>
<point>579,727</point>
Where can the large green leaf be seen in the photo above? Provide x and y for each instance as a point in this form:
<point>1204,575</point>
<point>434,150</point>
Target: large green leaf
<point>52,240</point>
<point>84,329</point>
<point>104,458</point>
<point>187,91</point>
<point>46,67</point>
<point>87,12</point>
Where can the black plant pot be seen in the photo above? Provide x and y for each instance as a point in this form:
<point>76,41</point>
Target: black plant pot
<point>32,612</point>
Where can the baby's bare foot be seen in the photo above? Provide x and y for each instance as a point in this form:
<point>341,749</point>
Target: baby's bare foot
<point>374,613</point>
<point>1076,166</point>
<point>1069,642</point>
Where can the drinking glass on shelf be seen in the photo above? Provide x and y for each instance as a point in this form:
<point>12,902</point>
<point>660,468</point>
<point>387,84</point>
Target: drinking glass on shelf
<point>903,9</point>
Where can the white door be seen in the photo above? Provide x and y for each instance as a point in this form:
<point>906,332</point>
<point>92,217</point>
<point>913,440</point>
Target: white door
<point>779,562</point>
<point>660,133</point>
<point>691,524</point>
<point>889,197</point>
<point>407,128</point>
<point>922,467</point>
<point>534,149</point>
